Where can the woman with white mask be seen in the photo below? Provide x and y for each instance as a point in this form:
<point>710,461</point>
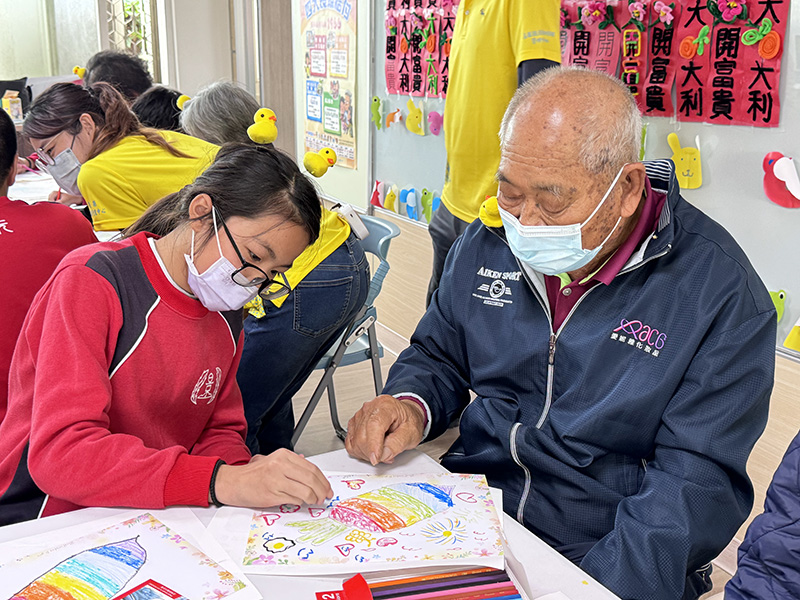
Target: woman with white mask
<point>123,385</point>
<point>88,139</point>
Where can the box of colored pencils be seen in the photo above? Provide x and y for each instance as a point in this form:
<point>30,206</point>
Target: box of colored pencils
<point>471,584</point>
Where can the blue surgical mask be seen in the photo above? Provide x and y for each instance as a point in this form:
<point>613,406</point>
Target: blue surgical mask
<point>553,249</point>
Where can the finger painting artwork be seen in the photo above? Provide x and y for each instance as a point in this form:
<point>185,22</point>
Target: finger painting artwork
<point>380,522</point>
<point>130,558</point>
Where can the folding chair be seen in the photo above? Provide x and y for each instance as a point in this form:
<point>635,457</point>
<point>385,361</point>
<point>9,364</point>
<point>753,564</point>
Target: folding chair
<point>353,346</point>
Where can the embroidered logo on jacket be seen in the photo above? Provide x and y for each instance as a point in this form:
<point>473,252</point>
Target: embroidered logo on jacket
<point>494,292</point>
<point>642,337</point>
<point>207,386</point>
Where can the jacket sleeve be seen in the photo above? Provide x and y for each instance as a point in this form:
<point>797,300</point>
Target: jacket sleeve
<point>432,367</point>
<point>695,492</point>
<point>70,336</point>
<point>226,429</point>
<point>769,557</point>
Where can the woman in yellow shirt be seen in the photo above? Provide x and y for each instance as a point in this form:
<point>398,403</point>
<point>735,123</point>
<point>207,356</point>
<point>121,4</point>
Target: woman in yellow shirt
<point>88,139</point>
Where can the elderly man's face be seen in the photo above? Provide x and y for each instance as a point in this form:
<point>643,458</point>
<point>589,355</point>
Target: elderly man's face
<point>541,181</point>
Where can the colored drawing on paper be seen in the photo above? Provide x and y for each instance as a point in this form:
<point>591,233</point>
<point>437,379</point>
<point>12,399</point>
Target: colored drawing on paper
<point>451,531</point>
<point>374,520</point>
<point>94,574</point>
<point>118,559</point>
<point>386,509</point>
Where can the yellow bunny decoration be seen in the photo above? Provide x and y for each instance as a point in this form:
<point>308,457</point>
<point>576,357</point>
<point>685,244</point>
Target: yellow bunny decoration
<point>688,167</point>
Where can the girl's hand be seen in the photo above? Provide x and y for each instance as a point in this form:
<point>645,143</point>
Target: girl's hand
<point>282,477</point>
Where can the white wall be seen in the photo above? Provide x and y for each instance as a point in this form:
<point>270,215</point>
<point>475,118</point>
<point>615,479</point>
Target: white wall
<point>22,51</point>
<point>196,43</point>
<point>75,33</point>
<point>39,38</point>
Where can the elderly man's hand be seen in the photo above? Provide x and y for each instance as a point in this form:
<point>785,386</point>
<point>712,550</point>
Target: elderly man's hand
<point>383,428</point>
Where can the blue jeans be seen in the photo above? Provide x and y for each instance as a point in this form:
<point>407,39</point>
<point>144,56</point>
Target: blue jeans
<point>282,348</point>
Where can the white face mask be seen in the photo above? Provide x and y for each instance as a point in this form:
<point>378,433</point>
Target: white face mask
<point>214,287</point>
<point>553,249</point>
<point>64,170</point>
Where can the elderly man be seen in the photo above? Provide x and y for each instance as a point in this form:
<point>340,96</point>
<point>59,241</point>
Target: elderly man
<point>618,341</point>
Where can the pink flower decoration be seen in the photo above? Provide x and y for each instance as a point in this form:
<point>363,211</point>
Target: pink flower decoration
<point>563,18</point>
<point>730,8</point>
<point>594,12</point>
<point>637,10</point>
<point>664,12</point>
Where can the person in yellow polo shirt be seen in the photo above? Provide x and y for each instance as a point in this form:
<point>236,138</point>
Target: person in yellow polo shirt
<point>94,147</point>
<point>284,337</point>
<point>497,45</point>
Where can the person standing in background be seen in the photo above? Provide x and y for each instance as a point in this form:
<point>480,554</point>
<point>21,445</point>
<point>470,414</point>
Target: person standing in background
<point>483,78</point>
<point>33,240</point>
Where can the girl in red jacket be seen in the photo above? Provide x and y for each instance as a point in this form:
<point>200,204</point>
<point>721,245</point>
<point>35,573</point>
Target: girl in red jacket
<point>123,387</point>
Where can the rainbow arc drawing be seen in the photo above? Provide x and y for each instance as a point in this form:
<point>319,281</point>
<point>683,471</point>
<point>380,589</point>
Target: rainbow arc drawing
<point>96,574</point>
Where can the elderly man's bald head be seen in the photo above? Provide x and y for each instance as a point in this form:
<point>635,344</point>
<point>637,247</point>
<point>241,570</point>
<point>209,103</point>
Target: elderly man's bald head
<point>589,109</point>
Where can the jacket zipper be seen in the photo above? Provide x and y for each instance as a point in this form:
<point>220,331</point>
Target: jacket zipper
<point>527,488</point>
<point>554,337</point>
<point>550,376</point>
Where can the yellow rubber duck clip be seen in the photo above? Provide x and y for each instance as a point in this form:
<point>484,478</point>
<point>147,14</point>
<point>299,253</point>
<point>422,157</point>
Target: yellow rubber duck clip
<point>181,101</point>
<point>490,213</point>
<point>264,129</point>
<point>318,163</point>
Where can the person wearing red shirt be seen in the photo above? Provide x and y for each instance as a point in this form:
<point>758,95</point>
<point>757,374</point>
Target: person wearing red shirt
<point>123,389</point>
<point>33,240</point>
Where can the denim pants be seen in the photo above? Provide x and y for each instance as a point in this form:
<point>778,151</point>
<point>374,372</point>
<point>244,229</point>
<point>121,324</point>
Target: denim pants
<point>282,348</point>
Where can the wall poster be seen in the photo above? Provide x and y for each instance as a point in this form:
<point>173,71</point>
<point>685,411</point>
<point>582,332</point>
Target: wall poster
<point>418,38</point>
<point>328,29</point>
<point>723,56</point>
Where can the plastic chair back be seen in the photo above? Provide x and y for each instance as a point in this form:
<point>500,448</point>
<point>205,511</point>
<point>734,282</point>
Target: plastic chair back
<point>377,242</point>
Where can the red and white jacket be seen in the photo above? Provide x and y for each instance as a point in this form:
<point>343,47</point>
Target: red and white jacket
<point>122,390</point>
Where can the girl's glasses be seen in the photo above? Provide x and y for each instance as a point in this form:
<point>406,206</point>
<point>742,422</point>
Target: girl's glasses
<point>269,288</point>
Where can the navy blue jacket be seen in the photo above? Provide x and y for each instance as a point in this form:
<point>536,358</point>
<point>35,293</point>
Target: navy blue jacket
<point>769,557</point>
<point>622,439</point>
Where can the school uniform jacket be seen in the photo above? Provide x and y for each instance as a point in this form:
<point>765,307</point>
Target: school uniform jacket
<point>122,390</point>
<point>621,440</point>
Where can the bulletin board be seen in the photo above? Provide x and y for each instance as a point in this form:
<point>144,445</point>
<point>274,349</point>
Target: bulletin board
<point>346,56</point>
<point>401,158</point>
<point>732,190</point>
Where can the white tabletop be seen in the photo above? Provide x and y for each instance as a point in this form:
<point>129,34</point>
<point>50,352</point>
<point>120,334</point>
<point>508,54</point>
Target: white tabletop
<point>32,187</point>
<point>538,568</point>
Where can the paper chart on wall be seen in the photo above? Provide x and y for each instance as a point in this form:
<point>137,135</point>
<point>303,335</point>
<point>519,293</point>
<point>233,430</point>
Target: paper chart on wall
<point>118,558</point>
<point>377,523</point>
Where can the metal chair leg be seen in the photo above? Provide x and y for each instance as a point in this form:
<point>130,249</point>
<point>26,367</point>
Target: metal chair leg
<point>377,376</point>
<point>341,432</point>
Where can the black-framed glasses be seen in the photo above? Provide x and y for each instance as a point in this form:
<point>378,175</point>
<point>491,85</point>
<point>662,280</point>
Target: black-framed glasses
<point>269,288</point>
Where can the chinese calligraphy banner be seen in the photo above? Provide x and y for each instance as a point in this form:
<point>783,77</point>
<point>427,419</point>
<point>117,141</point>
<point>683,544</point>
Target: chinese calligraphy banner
<point>723,56</point>
<point>329,38</point>
<point>418,38</point>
